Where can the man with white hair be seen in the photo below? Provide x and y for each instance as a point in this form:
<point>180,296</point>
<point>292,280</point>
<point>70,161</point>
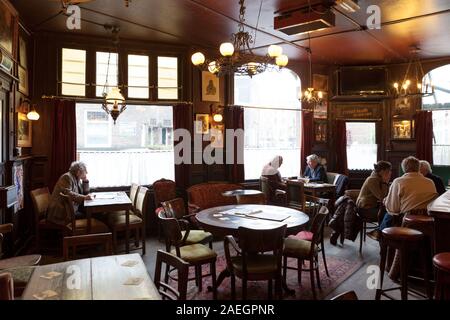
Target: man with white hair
<point>70,183</point>
<point>315,171</point>
<point>425,170</point>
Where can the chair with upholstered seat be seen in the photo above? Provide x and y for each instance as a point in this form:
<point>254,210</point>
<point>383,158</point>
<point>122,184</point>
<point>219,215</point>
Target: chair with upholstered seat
<point>163,190</point>
<point>175,208</point>
<point>195,255</point>
<point>295,191</point>
<point>306,250</point>
<point>117,223</point>
<point>6,286</point>
<point>273,195</point>
<point>258,258</point>
<point>175,263</point>
<point>71,244</point>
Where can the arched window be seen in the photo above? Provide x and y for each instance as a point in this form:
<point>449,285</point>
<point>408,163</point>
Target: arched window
<point>439,102</point>
<point>271,120</point>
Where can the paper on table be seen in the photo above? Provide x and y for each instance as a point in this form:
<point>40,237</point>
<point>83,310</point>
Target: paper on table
<point>133,281</point>
<point>240,211</point>
<point>104,196</point>
<point>51,275</point>
<point>129,263</point>
<point>45,295</point>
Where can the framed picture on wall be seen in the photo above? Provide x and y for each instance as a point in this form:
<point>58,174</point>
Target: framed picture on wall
<point>7,27</point>
<point>320,132</point>
<point>210,87</point>
<point>320,82</point>
<point>24,133</point>
<point>402,129</point>
<point>217,138</point>
<point>201,123</point>
<point>321,109</point>
<point>23,80</point>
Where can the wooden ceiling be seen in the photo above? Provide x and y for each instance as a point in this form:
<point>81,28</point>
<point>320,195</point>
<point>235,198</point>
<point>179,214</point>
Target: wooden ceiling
<point>207,23</point>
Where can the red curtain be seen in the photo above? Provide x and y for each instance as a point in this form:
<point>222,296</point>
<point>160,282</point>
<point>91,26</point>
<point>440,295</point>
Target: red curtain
<point>341,147</point>
<point>234,119</point>
<point>307,138</point>
<point>64,139</point>
<point>424,135</point>
<point>182,119</point>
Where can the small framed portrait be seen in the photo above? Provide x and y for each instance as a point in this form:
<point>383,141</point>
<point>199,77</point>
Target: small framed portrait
<point>201,123</point>
<point>320,82</point>
<point>321,109</point>
<point>402,106</point>
<point>217,136</point>
<point>402,129</point>
<point>320,132</point>
<point>24,133</point>
<point>23,80</point>
<point>210,87</point>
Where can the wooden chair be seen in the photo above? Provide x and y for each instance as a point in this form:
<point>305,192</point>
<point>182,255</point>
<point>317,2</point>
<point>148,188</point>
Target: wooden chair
<point>195,255</point>
<point>251,199</point>
<point>41,200</point>
<point>348,295</point>
<point>117,223</point>
<point>273,195</point>
<point>88,240</point>
<point>306,250</point>
<point>134,188</point>
<point>163,190</point>
<point>175,208</point>
<point>6,286</point>
<point>182,267</point>
<point>295,195</point>
<point>252,262</point>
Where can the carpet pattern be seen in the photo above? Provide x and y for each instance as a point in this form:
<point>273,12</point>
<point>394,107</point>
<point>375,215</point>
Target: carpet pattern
<point>339,268</point>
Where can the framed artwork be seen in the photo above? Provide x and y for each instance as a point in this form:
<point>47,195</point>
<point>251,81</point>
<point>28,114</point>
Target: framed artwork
<point>23,52</point>
<point>402,106</point>
<point>7,27</point>
<point>402,129</point>
<point>320,82</point>
<point>321,110</point>
<point>18,181</point>
<point>210,87</point>
<point>201,123</point>
<point>320,132</point>
<point>217,136</point>
<point>23,80</point>
<point>24,133</point>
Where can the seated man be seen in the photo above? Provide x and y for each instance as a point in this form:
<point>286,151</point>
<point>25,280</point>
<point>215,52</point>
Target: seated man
<point>70,183</point>
<point>314,171</point>
<point>425,170</point>
<point>408,192</point>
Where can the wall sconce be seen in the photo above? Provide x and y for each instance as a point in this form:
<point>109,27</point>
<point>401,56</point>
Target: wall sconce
<point>33,114</point>
<point>217,113</point>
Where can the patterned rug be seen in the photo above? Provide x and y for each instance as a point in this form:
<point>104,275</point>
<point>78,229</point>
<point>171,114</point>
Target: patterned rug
<point>339,268</point>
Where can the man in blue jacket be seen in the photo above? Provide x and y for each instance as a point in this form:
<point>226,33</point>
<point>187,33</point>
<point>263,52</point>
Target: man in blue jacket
<point>315,171</point>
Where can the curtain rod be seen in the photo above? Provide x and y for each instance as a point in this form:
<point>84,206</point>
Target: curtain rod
<point>129,102</point>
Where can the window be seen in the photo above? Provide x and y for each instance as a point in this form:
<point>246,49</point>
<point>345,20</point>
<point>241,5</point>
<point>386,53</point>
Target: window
<point>73,72</point>
<point>440,104</point>
<point>362,147</point>
<point>136,149</point>
<point>102,70</point>
<point>167,78</point>
<point>137,76</point>
<point>270,129</point>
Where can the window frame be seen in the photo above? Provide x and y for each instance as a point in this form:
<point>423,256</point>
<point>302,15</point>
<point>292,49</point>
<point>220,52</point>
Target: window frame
<point>60,66</point>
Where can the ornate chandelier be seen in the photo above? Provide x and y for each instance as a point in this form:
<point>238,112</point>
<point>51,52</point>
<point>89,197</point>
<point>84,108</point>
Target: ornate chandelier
<point>237,55</point>
<point>311,95</point>
<point>415,83</point>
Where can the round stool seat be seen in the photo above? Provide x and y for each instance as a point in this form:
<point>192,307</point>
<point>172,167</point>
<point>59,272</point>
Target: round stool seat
<point>442,261</point>
<point>401,233</point>
<point>413,219</point>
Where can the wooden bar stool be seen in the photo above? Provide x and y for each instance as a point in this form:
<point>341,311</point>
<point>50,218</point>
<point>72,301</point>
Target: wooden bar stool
<point>441,262</point>
<point>402,239</point>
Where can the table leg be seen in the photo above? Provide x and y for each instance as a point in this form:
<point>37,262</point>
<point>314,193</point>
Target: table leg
<point>88,218</point>
<point>127,231</point>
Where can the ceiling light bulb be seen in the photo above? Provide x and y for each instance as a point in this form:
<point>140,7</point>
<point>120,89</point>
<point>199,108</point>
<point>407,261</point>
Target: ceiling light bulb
<point>218,117</point>
<point>282,60</point>
<point>405,86</point>
<point>419,86</point>
<point>226,49</point>
<point>408,82</point>
<point>396,85</point>
<point>33,115</point>
<point>198,58</point>
<point>275,51</point>
<point>320,94</point>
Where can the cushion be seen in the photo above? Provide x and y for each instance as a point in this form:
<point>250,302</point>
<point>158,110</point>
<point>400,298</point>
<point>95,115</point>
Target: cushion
<point>195,253</point>
<point>303,235</point>
<point>96,226</point>
<point>297,248</point>
<point>197,236</point>
<point>20,261</point>
<point>257,264</point>
<point>118,219</point>
<point>208,195</point>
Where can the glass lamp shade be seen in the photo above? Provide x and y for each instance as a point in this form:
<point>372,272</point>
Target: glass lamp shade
<point>217,117</point>
<point>282,60</point>
<point>226,49</point>
<point>114,97</point>
<point>33,115</point>
<point>198,58</point>
<point>212,67</point>
<point>275,51</point>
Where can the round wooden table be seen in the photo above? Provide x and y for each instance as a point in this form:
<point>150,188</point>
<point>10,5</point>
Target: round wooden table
<point>212,220</point>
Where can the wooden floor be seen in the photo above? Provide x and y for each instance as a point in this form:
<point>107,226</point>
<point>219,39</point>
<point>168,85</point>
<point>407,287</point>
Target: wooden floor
<point>350,250</point>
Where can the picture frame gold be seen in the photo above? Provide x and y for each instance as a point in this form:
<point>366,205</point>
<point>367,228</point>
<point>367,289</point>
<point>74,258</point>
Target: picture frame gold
<point>320,131</point>
<point>320,82</point>
<point>402,129</point>
<point>202,123</point>
<point>217,136</point>
<point>23,80</point>
<point>210,87</point>
<point>24,130</point>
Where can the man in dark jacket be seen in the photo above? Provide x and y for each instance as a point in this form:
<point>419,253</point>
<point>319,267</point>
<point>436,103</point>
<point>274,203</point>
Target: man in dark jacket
<point>345,220</point>
<point>314,171</point>
<point>425,170</point>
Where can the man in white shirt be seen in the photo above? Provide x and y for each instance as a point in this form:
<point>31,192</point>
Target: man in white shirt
<point>408,192</point>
